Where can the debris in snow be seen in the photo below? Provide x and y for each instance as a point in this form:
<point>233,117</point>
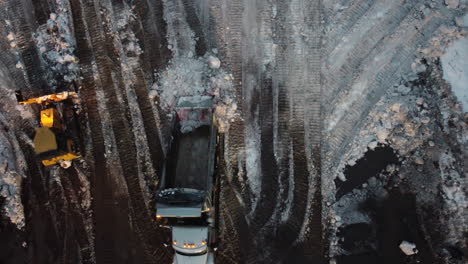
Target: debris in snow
<point>56,45</point>
<point>455,67</point>
<point>452,3</point>
<point>420,101</point>
<point>419,161</point>
<point>129,40</point>
<point>408,248</point>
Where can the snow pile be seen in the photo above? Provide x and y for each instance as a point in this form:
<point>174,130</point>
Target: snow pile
<point>188,75</point>
<point>455,68</point>
<point>194,77</point>
<point>56,44</point>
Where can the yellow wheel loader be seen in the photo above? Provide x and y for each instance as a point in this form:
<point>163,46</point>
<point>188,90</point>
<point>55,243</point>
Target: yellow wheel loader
<point>52,142</point>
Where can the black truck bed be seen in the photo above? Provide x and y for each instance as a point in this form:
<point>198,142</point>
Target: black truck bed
<point>188,163</point>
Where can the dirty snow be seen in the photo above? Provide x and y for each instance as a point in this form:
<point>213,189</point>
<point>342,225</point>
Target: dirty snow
<point>404,119</point>
<point>11,176</point>
<point>455,65</point>
<point>12,161</point>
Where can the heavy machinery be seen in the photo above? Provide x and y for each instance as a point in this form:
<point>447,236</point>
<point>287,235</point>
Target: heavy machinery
<point>185,200</point>
<point>52,141</point>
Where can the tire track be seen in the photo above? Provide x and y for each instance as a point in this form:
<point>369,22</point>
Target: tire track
<point>194,22</point>
<point>345,23</point>
<point>232,215</point>
<point>99,188</point>
<point>267,200</point>
<point>70,182</point>
<point>358,53</point>
<point>228,29</point>
<point>151,31</point>
<point>42,11</point>
<point>144,226</point>
<point>14,12</point>
<point>146,114</point>
<point>121,123</point>
<point>399,60</point>
<point>313,245</point>
<point>234,62</point>
<point>298,48</point>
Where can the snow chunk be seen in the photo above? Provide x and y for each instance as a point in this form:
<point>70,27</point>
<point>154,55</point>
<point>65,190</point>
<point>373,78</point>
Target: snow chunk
<point>214,62</point>
<point>408,248</point>
<point>455,67</point>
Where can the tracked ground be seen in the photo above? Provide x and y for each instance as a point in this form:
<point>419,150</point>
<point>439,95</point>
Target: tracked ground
<point>307,76</point>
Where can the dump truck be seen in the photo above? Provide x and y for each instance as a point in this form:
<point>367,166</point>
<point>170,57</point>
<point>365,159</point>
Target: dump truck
<point>185,199</point>
<point>53,140</point>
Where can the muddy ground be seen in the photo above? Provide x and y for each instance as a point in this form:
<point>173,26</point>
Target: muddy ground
<point>341,137</point>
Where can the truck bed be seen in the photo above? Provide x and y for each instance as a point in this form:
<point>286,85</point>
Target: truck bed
<point>188,164</point>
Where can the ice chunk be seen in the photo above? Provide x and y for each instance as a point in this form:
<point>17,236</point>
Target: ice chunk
<point>65,164</point>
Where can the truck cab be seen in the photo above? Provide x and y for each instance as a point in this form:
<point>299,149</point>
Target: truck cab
<point>184,200</point>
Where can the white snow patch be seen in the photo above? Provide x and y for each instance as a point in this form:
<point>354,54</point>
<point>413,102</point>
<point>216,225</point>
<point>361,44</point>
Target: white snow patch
<point>455,66</point>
